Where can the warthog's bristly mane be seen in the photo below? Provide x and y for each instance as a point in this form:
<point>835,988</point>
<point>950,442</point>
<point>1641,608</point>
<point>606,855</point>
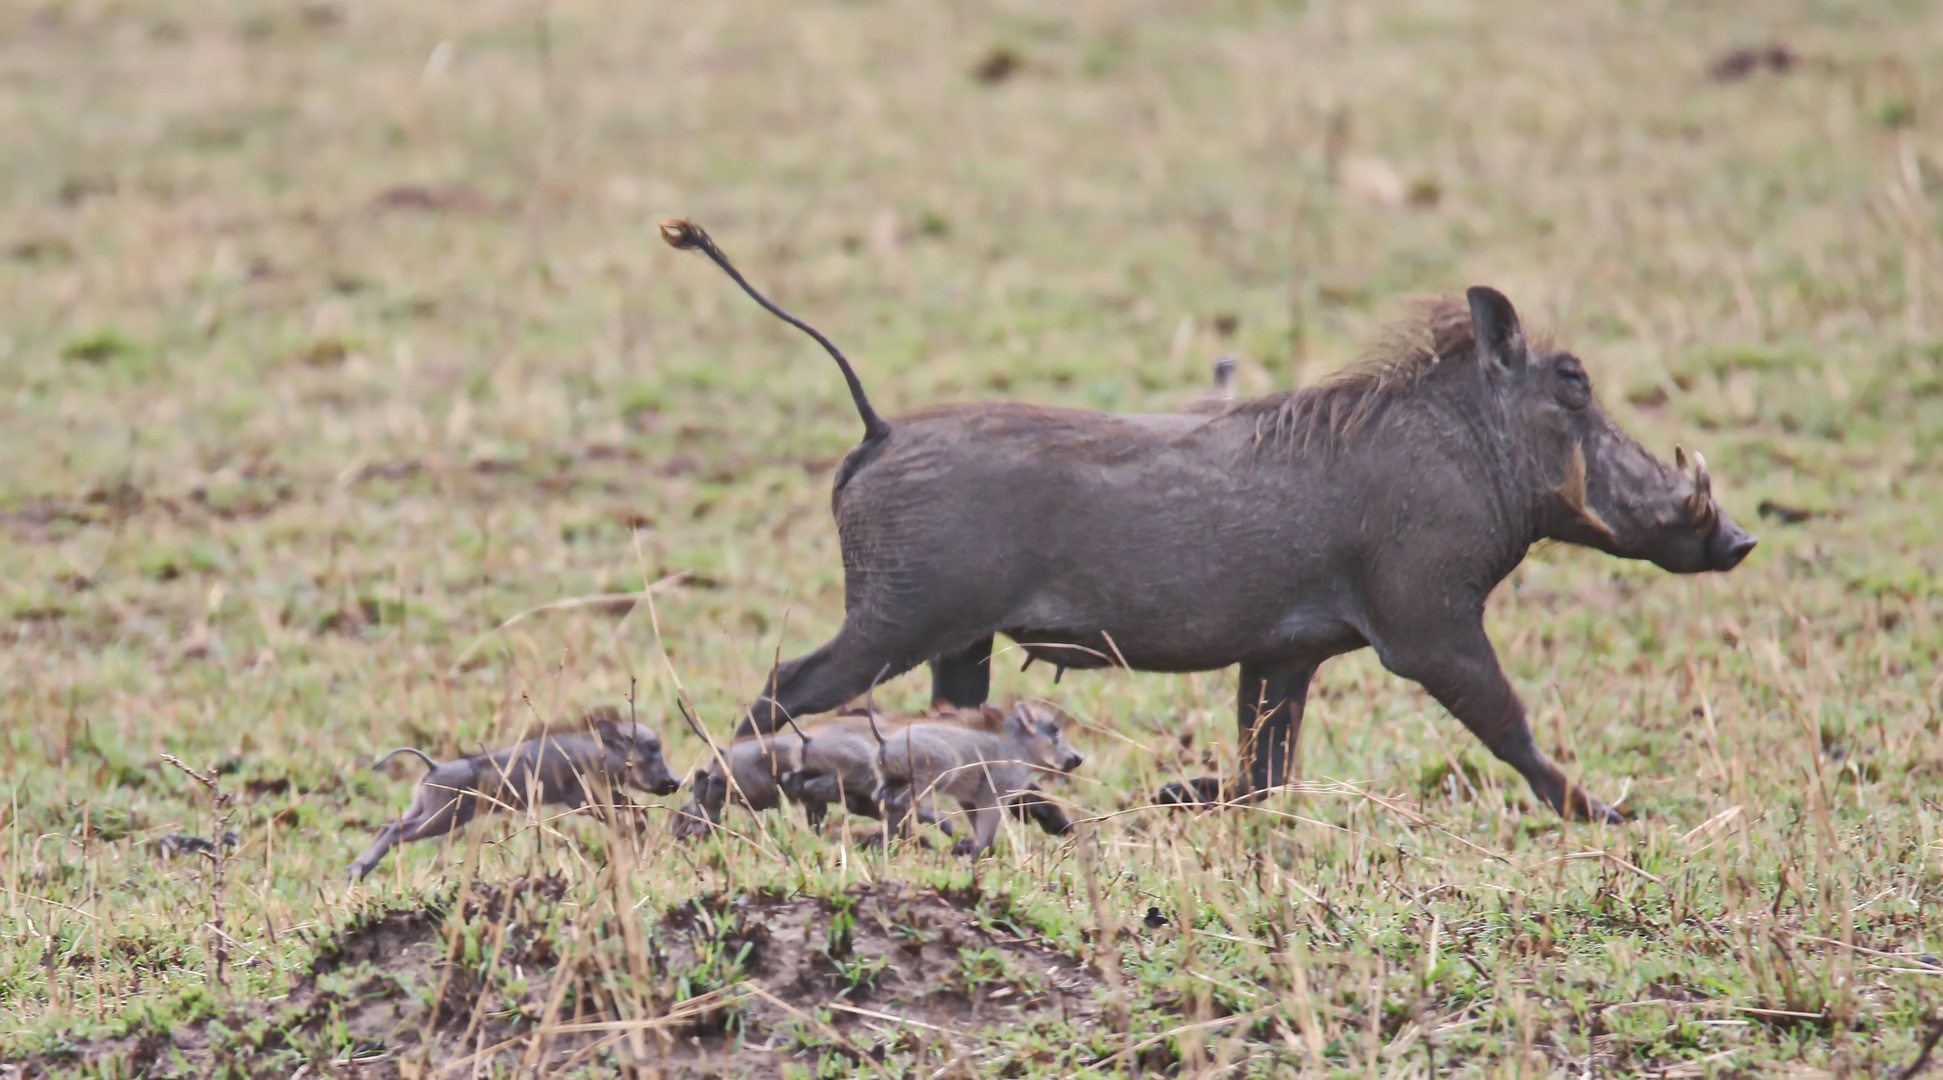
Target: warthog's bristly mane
<point>592,719</point>
<point>1335,408</point>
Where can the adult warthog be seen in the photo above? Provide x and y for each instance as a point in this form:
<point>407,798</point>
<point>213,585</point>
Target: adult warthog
<point>1378,508</point>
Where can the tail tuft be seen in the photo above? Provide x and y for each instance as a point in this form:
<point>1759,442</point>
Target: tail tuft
<point>683,234</point>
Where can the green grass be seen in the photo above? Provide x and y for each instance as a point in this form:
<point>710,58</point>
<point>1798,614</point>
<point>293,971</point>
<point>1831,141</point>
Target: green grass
<point>333,336</point>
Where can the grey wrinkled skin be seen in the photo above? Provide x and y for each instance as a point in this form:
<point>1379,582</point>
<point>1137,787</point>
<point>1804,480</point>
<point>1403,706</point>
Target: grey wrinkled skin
<point>1375,511</point>
<point>1029,805</point>
<point>979,769</point>
<point>755,763</point>
<point>570,769</point>
<point>832,761</point>
<point>836,764</point>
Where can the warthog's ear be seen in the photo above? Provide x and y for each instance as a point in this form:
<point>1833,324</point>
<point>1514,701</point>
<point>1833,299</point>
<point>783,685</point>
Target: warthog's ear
<point>1494,325</point>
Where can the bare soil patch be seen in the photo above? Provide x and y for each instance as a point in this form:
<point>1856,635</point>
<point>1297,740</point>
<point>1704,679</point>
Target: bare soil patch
<point>891,975</point>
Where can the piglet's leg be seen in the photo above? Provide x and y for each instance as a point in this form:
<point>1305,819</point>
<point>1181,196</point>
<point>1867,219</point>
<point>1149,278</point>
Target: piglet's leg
<point>986,816</point>
<point>932,817</point>
<point>367,862</point>
<point>439,812</point>
<point>1460,669</point>
<point>435,812</point>
<point>895,809</point>
<point>1032,805</point>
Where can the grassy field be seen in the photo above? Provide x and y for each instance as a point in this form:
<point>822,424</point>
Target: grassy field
<point>335,335</point>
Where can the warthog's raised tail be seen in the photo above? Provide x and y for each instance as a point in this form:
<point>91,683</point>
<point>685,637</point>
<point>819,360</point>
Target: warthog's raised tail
<point>685,235</point>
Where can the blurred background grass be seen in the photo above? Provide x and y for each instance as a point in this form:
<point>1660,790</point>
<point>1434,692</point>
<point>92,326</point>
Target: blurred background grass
<point>332,335</point>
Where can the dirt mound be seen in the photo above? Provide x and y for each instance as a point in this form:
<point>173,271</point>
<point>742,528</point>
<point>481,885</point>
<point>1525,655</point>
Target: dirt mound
<point>720,986</point>
<point>890,970</point>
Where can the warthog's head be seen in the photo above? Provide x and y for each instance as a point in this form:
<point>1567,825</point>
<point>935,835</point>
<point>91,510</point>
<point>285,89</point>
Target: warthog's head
<point>1605,490</point>
<point>1041,739</point>
<point>699,815</point>
<point>640,748</point>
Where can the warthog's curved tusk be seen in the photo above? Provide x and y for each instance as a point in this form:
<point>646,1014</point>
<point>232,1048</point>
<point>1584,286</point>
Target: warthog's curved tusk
<point>1701,503</point>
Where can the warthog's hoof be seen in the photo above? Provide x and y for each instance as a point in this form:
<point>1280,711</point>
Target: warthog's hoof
<point>1596,812</point>
<point>967,846</point>
<point>1200,791</point>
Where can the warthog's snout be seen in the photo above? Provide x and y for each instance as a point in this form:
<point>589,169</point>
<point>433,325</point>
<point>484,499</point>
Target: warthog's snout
<point>667,785</point>
<point>1072,761</point>
<point>1728,546</point>
<point>1727,543</point>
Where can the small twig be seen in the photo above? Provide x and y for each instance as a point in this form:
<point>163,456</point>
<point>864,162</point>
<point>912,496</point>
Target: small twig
<point>842,1040</point>
<point>565,605</point>
<point>219,856</point>
<point>47,900</point>
<point>1205,1025</point>
<point>1923,1055</point>
<point>890,1018</point>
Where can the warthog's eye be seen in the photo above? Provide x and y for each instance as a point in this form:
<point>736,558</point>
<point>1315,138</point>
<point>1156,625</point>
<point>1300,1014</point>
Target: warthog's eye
<point>1574,388</point>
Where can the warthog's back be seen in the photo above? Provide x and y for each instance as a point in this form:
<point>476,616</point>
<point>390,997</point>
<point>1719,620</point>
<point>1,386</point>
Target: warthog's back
<point>1174,534</point>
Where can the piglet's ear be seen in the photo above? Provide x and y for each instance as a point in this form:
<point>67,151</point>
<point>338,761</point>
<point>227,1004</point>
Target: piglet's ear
<point>1494,324</point>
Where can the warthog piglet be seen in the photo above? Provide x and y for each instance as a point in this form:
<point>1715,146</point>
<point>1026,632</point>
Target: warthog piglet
<point>980,770</point>
<point>573,768</point>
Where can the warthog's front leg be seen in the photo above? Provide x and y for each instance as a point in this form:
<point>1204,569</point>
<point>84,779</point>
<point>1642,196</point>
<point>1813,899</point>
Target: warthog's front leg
<point>1460,669</point>
<point>986,817</point>
<point>619,812</point>
<point>894,804</point>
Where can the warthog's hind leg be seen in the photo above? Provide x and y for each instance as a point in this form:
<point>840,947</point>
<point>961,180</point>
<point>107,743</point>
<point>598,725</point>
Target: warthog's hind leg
<point>1268,714</point>
<point>818,682</point>
<point>434,813</point>
<point>367,862</point>
<point>963,679</point>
